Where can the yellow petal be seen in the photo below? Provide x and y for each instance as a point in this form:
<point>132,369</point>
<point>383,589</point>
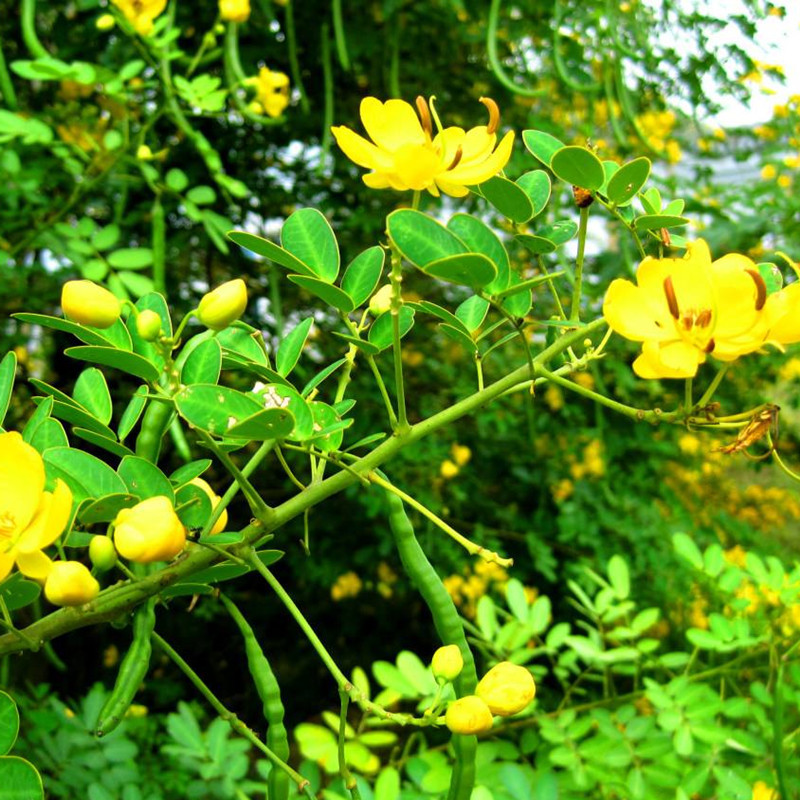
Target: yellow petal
<point>416,166</point>
<point>649,364</point>
<point>681,357</point>
<point>21,481</point>
<point>376,180</point>
<point>35,565</point>
<point>360,151</point>
<point>635,314</point>
<point>448,143</point>
<point>476,172</point>
<point>478,144</point>
<point>391,124</point>
<point>6,563</point>
<point>736,295</point>
<point>50,520</point>
<point>786,329</point>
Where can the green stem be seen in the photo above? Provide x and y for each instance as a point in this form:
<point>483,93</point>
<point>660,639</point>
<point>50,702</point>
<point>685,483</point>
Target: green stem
<point>558,60</point>
<point>236,724</point>
<point>713,386</point>
<point>777,732</point>
<point>396,278</point>
<point>294,64</point>
<point>394,58</point>
<point>275,303</point>
<point>382,389</point>
<point>159,247</point>
<point>29,35</point>
<point>327,114</point>
<point>347,777</point>
<point>494,59</point>
<point>577,289</point>
<point>6,85</point>
<point>550,276</point>
<point>339,35</point>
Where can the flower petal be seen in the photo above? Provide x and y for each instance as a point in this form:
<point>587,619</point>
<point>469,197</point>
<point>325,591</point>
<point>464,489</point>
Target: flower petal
<point>21,480</point>
<point>416,166</point>
<point>635,314</point>
<point>391,124</point>
<point>786,329</point>
<point>360,151</point>
<point>476,172</point>
<point>650,365</point>
<point>50,520</point>
<point>35,564</point>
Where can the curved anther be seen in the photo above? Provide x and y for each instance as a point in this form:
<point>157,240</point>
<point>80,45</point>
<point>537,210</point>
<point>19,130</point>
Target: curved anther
<point>424,115</point>
<point>672,301</point>
<point>456,158</point>
<point>709,348</point>
<point>761,288</point>
<point>494,114</point>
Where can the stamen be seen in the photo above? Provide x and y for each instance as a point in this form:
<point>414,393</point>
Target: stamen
<point>456,158</point>
<point>672,301</point>
<point>703,318</point>
<point>709,348</point>
<point>494,114</point>
<point>425,115</point>
<point>761,288</point>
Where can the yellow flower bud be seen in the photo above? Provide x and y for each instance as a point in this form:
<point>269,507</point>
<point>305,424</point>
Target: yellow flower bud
<point>105,22</point>
<point>467,715</point>
<point>381,301</point>
<point>506,688</point>
<point>220,524</point>
<point>461,454</point>
<point>89,304</point>
<point>70,583</point>
<point>234,10</point>
<point>224,305</point>
<point>148,325</point>
<point>144,153</point>
<point>102,553</point>
<point>447,663</point>
<point>150,531</point>
<point>448,469</point>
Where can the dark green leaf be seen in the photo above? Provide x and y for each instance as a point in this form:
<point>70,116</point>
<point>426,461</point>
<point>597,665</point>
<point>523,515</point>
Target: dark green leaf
<point>422,239</point>
<point>321,376</point>
<point>215,408</point>
<point>194,469</point>
<point>103,442</point>
<point>131,363</point>
<point>509,199</point>
<point>362,275</point>
<point>86,475</point>
<point>308,236</point>
<point>106,508</point>
<point>468,269</point>
<point>144,479</point>
<point>85,334</point>
<point>480,238</point>
<point>332,295</point>
<point>380,334</point>
<point>269,423</point>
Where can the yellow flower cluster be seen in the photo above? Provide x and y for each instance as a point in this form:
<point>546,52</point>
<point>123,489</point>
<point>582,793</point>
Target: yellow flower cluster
<point>657,127</point>
<point>468,588</point>
<point>591,463</point>
<point>346,585</point>
<point>272,92</point>
<point>460,456</point>
<point>141,13</point>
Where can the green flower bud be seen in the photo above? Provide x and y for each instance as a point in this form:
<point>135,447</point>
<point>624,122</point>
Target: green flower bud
<point>102,553</point>
<point>224,305</point>
<point>447,663</point>
<point>148,325</point>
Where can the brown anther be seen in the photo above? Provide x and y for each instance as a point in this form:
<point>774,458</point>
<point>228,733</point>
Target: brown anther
<point>583,197</point>
<point>665,239</point>
<point>761,288</point>
<point>494,114</point>
<point>709,348</point>
<point>703,318</point>
<point>424,115</point>
<point>456,158</point>
<point>672,301</point>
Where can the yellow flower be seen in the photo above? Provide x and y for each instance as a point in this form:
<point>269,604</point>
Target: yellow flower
<point>381,301</point>
<point>468,715</point>
<point>554,398</point>
<point>689,444</point>
<point>105,22</point>
<point>272,91</point>
<point>763,792</point>
<point>506,688</point>
<point>447,663</point>
<point>684,309</point>
<point>150,531</point>
<point>222,521</point>
<point>141,13</point>
<point>69,583</point>
<point>89,304</point>
<point>784,181</point>
<point>448,469</point>
<point>234,10</point>
<point>404,154</point>
<point>224,305</point>
<point>768,172</point>
<point>30,518</point>
<point>461,454</point>
<point>347,585</point>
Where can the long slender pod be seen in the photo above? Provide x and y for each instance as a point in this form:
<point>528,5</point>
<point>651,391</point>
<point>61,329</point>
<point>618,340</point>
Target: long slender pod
<point>269,691</point>
<point>450,630</point>
<point>132,670</point>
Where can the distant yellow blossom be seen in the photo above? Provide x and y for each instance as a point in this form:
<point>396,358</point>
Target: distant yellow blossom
<point>346,585</point>
<point>763,792</point>
<point>448,469</point>
<point>272,91</point>
<point>784,181</point>
<point>141,13</point>
<point>689,444</point>
<point>234,10</point>
<point>768,172</point>
<point>735,555</point>
<point>461,454</point>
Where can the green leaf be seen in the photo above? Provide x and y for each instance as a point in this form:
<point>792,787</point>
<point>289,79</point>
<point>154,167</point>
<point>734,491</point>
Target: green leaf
<point>541,145</point>
<point>176,180</point>
<point>331,294</point>
<point>91,391</point>
<point>308,236</point>
<point>9,724</point>
<point>480,238</point>
<point>245,341</point>
<point>85,334</point>
<point>86,475</point>
<point>286,397</point>
<point>103,442</point>
<point>362,275</point>
<point>321,376</point>
<point>649,222</point>
<point>46,434</point>
<point>579,167</point>
<point>144,479</point>
<point>517,602</point>
<point>537,245</point>
<point>442,313</point>
<point>194,469</point>
<point>619,576</point>
<point>131,363</point>
<point>329,425</point>
<point>203,364</point>
<point>106,508</point>
<point>19,780</point>
<point>686,548</point>
<point>422,239</point>
<point>269,423</point>
<point>192,505</point>
<point>559,232</point>
<point>770,273</point>
<point>75,415</point>
<point>626,182</point>
<point>201,195</point>
<point>136,284</point>
<point>540,614</point>
<point>457,335</point>
<point>292,346</point>
<point>17,592</point>
<point>215,408</point>
<point>131,258</point>
<point>380,334</point>
<point>8,368</point>
<point>132,412</point>
<point>472,312</point>
<point>651,201</point>
<point>467,269</point>
<point>536,185</point>
<point>509,199</point>
<point>270,250</point>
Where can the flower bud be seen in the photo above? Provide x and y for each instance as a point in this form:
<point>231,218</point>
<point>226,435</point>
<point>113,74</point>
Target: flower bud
<point>89,304</point>
<point>448,469</point>
<point>102,553</point>
<point>447,663</point>
<point>105,22</point>
<point>506,688</point>
<point>220,524</point>
<point>461,454</point>
<point>70,583</point>
<point>468,715</point>
<point>150,531</point>
<point>144,153</point>
<point>381,301</point>
<point>224,305</point>
<point>234,10</point>
<point>148,325</point>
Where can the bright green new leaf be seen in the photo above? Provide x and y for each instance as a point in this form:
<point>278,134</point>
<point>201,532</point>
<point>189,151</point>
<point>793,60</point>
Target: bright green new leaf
<point>308,236</point>
<point>292,346</point>
<point>541,145</point>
